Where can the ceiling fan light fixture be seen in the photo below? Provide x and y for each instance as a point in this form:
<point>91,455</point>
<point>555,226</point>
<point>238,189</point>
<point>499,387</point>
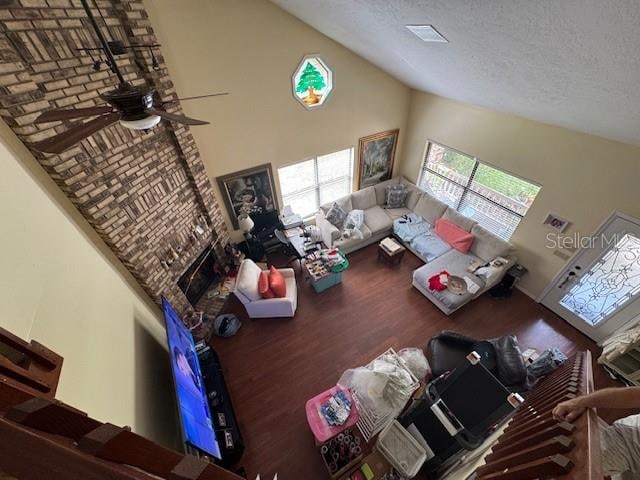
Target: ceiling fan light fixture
<point>142,124</point>
<point>427,33</point>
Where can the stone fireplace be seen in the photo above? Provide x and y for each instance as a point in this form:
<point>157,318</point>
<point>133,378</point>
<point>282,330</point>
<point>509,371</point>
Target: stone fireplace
<point>201,274</point>
<point>146,193</point>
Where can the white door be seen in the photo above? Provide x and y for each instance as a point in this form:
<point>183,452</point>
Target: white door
<point>599,290</point>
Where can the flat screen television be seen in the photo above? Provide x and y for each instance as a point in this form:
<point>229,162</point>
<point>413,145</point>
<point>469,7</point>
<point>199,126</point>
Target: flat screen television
<point>196,423</point>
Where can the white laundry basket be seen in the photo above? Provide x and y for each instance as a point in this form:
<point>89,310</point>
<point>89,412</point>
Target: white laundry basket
<point>404,453</point>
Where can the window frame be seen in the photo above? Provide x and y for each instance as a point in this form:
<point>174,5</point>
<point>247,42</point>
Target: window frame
<point>317,184</point>
<point>466,188</point>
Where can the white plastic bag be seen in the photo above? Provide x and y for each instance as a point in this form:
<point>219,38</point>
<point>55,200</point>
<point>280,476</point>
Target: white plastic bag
<point>416,362</point>
<point>383,385</point>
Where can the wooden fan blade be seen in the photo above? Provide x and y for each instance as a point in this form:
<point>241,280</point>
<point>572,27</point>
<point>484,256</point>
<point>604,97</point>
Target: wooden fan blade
<point>172,117</point>
<point>194,98</point>
<point>59,143</point>
<point>55,115</point>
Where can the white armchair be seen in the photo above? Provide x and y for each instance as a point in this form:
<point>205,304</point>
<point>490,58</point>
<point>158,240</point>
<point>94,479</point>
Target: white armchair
<point>246,290</point>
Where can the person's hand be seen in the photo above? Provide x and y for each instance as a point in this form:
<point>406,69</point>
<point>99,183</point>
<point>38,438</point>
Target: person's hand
<point>568,410</point>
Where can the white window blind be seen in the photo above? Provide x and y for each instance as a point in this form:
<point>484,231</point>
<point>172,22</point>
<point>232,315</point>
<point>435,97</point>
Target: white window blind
<point>307,185</point>
<point>495,199</point>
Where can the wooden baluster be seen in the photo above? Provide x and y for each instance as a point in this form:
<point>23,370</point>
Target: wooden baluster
<point>189,468</point>
<point>499,461</point>
<point>52,417</point>
<point>511,445</point>
<point>554,465</point>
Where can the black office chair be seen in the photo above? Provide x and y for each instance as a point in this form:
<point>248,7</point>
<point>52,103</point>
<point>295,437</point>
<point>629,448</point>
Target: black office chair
<point>286,248</point>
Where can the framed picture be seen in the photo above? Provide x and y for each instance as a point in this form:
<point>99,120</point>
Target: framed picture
<point>249,191</point>
<point>375,156</point>
<point>556,223</point>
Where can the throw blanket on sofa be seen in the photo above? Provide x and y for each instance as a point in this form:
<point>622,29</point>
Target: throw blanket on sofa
<point>412,229</point>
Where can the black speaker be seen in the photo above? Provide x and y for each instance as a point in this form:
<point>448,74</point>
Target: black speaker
<point>224,418</point>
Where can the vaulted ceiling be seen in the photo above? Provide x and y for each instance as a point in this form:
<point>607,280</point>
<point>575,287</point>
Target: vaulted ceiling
<point>572,63</point>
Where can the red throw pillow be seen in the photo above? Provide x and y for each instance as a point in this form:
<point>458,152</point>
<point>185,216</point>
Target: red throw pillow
<point>455,236</point>
<point>263,286</point>
<point>277,283</point>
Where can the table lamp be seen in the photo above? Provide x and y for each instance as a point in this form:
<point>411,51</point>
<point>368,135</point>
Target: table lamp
<point>245,224</point>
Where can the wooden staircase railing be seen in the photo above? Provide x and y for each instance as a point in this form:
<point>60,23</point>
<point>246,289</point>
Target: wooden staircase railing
<point>535,445</point>
<point>28,369</point>
<point>41,437</point>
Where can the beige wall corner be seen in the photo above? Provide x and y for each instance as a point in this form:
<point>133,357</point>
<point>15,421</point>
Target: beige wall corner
<point>250,48</point>
<point>583,177</point>
<point>61,285</point>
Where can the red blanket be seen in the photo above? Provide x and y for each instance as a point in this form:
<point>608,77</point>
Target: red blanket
<point>435,282</point>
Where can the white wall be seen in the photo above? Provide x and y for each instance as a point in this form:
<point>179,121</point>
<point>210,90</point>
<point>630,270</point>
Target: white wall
<point>583,177</point>
<point>250,48</point>
<point>61,285</point>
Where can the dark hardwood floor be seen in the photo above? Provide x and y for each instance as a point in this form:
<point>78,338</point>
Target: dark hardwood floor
<point>273,366</point>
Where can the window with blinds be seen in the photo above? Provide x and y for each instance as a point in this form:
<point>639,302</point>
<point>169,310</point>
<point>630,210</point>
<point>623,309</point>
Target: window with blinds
<point>307,185</point>
<point>495,199</point>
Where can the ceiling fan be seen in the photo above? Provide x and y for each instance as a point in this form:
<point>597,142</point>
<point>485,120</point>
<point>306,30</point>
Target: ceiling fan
<point>134,107</point>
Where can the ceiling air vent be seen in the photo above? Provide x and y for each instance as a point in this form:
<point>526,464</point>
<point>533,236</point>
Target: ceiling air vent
<point>427,33</point>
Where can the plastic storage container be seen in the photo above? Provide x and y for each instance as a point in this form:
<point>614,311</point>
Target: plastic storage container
<point>402,451</point>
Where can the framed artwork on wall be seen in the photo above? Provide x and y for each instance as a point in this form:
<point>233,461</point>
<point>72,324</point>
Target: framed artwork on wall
<point>249,191</point>
<point>556,222</point>
<point>376,154</point>
<point>312,82</point>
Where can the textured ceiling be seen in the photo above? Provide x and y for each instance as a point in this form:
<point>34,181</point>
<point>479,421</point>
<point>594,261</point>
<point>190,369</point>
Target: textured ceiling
<point>572,63</point>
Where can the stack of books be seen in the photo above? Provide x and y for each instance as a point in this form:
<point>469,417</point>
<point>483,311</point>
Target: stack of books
<point>391,246</point>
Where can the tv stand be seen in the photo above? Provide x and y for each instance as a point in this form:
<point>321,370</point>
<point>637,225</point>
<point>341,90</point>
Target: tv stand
<point>224,418</point>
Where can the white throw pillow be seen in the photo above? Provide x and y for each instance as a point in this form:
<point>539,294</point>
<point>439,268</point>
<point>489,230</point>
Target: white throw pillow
<point>247,281</point>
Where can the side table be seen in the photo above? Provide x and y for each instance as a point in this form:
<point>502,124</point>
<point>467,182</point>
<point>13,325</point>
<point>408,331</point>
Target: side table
<point>390,256</point>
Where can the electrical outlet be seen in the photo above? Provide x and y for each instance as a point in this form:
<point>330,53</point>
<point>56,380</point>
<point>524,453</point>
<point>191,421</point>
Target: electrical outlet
<point>563,255</point>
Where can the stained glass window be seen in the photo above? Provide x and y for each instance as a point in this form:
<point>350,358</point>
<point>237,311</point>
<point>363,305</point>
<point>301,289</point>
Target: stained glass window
<point>610,283</point>
<point>312,82</point>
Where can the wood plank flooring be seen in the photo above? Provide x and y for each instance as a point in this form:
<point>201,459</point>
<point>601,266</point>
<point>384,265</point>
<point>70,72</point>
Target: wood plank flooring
<point>273,366</point>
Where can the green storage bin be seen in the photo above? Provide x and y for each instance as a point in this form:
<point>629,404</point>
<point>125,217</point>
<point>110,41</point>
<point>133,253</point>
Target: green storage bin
<point>326,282</point>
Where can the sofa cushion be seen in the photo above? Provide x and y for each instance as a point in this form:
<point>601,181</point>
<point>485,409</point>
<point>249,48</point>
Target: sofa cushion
<point>277,283</point>
<point>396,196</point>
<point>488,246</point>
<point>381,192</point>
<point>455,236</point>
<point>247,281</point>
<point>406,182</point>
<point>351,243</point>
<point>377,220</point>
<point>463,222</point>
<point>429,245</point>
<point>430,208</point>
<point>363,199</point>
<point>263,286</point>
<point>455,263</point>
<point>336,215</point>
<point>413,196</point>
<point>344,202</point>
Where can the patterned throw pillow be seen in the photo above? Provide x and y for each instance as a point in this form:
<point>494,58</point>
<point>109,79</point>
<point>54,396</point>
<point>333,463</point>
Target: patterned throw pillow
<point>336,215</point>
<point>396,195</point>
<point>354,220</point>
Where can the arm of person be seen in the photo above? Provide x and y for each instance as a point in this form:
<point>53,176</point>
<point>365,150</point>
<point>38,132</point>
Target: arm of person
<point>626,397</point>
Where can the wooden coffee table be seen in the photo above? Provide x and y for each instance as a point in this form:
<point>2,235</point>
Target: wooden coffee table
<point>391,257</point>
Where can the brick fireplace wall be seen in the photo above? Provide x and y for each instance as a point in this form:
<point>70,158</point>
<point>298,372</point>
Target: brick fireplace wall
<point>145,193</point>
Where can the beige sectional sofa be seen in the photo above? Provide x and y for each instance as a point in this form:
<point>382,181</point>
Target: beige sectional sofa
<point>378,224</point>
